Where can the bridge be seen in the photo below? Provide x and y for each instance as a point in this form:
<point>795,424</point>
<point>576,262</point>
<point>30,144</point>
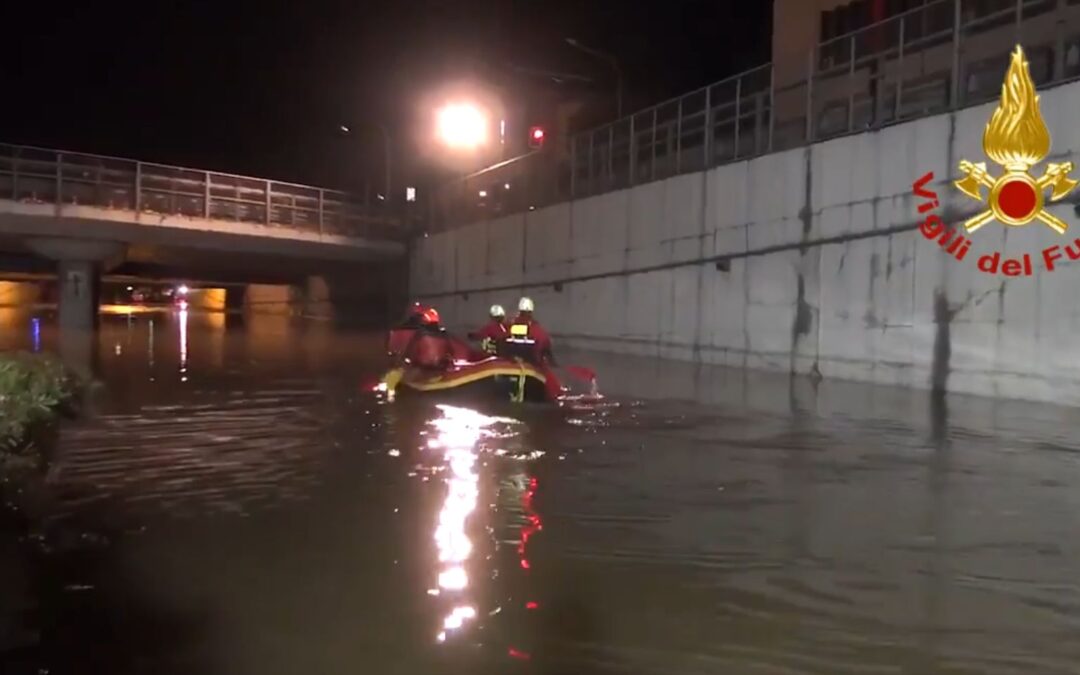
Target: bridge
<point>78,215</point>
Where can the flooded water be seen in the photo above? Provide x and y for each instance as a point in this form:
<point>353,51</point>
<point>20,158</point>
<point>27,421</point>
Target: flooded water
<point>236,504</point>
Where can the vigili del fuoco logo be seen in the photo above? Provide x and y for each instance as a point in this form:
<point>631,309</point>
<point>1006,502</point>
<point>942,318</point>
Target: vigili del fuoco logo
<point>1015,138</point>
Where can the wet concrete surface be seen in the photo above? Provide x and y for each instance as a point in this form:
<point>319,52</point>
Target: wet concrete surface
<point>237,504</point>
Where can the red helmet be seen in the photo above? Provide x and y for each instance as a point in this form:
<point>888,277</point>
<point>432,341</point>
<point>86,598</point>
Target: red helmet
<point>430,316</point>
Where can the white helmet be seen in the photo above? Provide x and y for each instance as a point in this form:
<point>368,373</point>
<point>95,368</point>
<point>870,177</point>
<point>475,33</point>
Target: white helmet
<point>526,305</point>
<point>497,312</point>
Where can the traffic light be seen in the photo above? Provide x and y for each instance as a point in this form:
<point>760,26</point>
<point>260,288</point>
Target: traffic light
<point>536,137</point>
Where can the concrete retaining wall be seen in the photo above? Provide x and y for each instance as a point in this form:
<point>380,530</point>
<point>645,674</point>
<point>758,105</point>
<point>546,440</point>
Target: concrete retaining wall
<point>826,270</point>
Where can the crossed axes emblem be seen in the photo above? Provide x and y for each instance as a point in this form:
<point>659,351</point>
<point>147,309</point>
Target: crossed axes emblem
<point>1019,189</point>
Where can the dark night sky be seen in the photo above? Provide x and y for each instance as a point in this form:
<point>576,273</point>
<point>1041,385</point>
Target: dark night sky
<point>258,87</point>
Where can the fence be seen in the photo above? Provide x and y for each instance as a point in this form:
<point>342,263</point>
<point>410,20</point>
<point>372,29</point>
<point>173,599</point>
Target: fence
<point>30,174</point>
<point>941,56</point>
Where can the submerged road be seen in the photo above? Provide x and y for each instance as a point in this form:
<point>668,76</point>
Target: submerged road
<point>237,505</point>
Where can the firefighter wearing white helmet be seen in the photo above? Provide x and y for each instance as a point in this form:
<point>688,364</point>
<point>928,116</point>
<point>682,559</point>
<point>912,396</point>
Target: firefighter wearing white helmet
<point>493,332</point>
<point>527,339</point>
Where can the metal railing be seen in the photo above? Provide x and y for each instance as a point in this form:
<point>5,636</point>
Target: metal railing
<point>944,55</point>
<point>38,175</point>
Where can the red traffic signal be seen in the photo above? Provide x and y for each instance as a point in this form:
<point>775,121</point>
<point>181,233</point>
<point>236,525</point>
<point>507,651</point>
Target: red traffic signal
<point>536,137</point>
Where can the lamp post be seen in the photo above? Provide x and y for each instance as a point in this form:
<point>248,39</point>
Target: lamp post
<point>611,61</point>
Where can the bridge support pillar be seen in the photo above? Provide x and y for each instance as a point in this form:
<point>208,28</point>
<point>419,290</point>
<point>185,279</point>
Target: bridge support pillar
<point>79,266</point>
<point>317,300</point>
<point>79,275</point>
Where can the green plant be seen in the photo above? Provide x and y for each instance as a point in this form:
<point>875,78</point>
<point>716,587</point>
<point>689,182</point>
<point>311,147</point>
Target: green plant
<point>31,389</point>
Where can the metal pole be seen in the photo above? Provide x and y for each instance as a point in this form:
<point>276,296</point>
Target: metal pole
<point>138,187</point>
<point>59,179</point>
<point>772,103</point>
<point>738,115</point>
<point>320,211</point>
<point>900,73</point>
<point>610,153</point>
<point>706,144</point>
<point>757,122</point>
<point>678,137</point>
<point>851,86</point>
<point>652,161</point>
<point>573,166</point>
<point>954,91</point>
<point>810,96</point>
<point>206,196</point>
<point>592,151</point>
<point>15,174</point>
<point>632,163</point>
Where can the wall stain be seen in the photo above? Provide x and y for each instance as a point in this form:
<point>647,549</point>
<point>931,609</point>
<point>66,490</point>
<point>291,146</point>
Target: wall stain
<point>869,319</point>
<point>939,371</point>
<point>804,316</point>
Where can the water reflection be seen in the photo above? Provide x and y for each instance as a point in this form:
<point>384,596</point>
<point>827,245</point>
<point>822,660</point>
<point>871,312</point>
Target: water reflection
<point>458,433</point>
<point>183,344</point>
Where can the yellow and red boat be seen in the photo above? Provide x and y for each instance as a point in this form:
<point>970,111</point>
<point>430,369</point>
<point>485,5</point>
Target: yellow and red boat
<point>493,378</point>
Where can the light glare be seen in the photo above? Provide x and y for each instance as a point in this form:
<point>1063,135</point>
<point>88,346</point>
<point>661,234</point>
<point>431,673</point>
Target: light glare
<point>462,126</point>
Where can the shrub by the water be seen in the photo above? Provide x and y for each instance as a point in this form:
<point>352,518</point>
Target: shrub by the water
<point>32,388</point>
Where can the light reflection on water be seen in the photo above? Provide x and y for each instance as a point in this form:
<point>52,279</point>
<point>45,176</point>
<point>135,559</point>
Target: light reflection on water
<point>457,433</point>
<point>183,344</point>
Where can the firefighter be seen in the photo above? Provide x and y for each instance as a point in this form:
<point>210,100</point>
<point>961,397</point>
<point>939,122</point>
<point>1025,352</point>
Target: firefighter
<point>493,332</point>
<point>527,339</point>
<point>430,346</point>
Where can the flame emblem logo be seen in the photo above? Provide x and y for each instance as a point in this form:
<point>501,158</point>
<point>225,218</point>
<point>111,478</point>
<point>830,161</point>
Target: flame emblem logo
<point>1016,138</point>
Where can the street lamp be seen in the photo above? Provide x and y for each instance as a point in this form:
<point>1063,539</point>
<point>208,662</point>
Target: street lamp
<point>386,154</point>
<point>462,126</point>
<point>611,61</point>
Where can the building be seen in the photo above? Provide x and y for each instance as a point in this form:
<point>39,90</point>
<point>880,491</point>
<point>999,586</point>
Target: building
<point>878,61</point>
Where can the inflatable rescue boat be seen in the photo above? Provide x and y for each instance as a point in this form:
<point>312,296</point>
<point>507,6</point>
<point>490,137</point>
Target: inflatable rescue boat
<point>492,378</point>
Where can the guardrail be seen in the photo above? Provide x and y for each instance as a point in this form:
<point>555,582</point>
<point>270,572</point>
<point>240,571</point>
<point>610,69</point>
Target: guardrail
<point>941,56</point>
<point>38,175</point>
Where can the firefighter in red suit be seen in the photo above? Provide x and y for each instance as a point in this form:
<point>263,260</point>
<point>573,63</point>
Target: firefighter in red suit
<point>493,332</point>
<point>527,339</point>
<point>430,346</point>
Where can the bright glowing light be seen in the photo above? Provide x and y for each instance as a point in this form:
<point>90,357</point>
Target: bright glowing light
<point>410,194</point>
<point>483,193</point>
<point>183,290</point>
<point>130,289</point>
<point>506,186</point>
<point>183,344</point>
<point>462,125</point>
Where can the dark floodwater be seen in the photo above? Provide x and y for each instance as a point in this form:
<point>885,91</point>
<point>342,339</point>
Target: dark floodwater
<point>236,505</point>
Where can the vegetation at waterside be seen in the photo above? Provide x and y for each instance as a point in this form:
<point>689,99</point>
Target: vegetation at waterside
<point>33,390</point>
